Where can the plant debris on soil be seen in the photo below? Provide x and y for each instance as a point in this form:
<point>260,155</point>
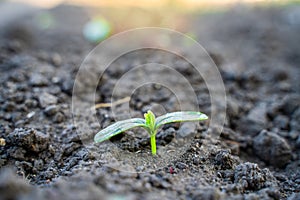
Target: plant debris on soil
<point>257,155</point>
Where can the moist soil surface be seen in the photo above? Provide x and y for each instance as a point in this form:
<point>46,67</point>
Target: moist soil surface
<point>256,156</point>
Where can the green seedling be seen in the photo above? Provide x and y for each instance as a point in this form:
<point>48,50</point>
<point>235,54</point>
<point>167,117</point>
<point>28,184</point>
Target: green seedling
<point>150,123</point>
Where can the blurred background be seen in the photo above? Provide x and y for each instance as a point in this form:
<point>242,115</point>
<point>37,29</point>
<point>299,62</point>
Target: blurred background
<point>99,19</point>
<point>183,4</point>
<point>133,13</point>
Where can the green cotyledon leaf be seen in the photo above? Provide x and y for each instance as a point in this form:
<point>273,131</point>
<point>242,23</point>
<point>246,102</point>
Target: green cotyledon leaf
<point>118,127</point>
<point>185,116</point>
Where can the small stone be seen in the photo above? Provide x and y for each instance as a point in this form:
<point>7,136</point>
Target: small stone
<point>187,129</point>
<point>54,90</point>
<point>284,86</point>
<point>38,80</point>
<point>30,103</point>
<point>181,165</point>
<point>51,110</point>
<point>30,115</point>
<point>55,80</point>
<point>46,99</point>
<point>2,142</point>
<point>140,168</point>
<point>67,86</point>
<point>257,117</point>
<point>56,59</point>
<point>272,149</point>
<point>258,113</point>
<point>59,117</point>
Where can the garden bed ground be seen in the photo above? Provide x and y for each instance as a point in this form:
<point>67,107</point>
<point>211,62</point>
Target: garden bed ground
<point>257,156</point>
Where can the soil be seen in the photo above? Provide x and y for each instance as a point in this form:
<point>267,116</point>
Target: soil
<point>257,155</point>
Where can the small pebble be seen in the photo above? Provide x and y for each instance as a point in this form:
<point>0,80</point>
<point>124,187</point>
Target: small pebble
<point>51,110</point>
<point>30,115</point>
<point>46,99</point>
<point>2,142</point>
<point>56,59</point>
<point>30,103</point>
<point>59,117</point>
<point>38,80</point>
<point>181,165</point>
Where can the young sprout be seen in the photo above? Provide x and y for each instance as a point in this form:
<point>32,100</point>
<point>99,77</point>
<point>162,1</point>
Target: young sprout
<point>150,123</point>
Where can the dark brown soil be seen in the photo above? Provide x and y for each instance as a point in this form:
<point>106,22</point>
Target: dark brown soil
<point>257,156</point>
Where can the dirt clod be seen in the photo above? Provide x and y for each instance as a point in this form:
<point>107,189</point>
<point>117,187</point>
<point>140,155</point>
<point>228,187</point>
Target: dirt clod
<point>29,139</point>
<point>225,160</point>
<point>272,149</point>
<point>251,177</point>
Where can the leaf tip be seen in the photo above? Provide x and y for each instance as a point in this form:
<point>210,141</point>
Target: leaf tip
<point>96,139</point>
<point>203,116</point>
